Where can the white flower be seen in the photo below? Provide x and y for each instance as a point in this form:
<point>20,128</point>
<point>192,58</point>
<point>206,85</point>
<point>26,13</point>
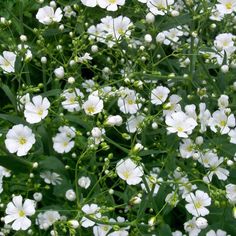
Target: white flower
<point>223,101</point>
<point>22,100</point>
<point>127,102</point>
<point>226,6</point>
<point>134,123</point>
<point>197,203</point>
<point>97,134</point>
<point>159,7</point>
<point>219,232</point>
<point>172,35</point>
<point>70,195</point>
<point>59,72</point>
<point>231,193</point>
<point>101,230</point>
<point>93,105</point>
<point>84,182</point>
<point>232,135</point>
<point>62,143</point>
<point>214,165</point>
<point>120,27</point>
<point>19,140</point>
<point>86,57</point>
<point>89,3</point>
<point>47,16</point>
<point>7,61</point>
<point>129,171</point>
<point>191,227</point>
<point>69,131</point>
<point>37,196</point>
<point>48,218</point>
<point>51,177</point>
<point>73,99</point>
<point>69,12</point>
<point>172,199</point>
<point>173,105</point>
<point>221,121</point>
<point>151,181</point>
<point>91,210</point>
<point>114,120</point>
<point>190,110</point>
<point>160,38</point>
<point>180,123</point>
<point>26,50</point>
<point>204,117</point>
<point>36,110</point>
<point>224,43</point>
<point>201,223</point>
<point>110,5</point>
<point>74,223</point>
<point>121,231</point>
<point>159,95</point>
<point>186,148</point>
<point>18,211</point>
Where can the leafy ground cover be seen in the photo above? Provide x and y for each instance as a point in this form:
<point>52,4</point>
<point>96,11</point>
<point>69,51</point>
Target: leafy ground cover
<point>117,117</point>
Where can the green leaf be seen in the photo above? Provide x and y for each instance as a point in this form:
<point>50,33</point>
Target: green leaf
<point>16,164</point>
<point>51,163</point>
<point>9,94</point>
<point>150,152</point>
<point>13,119</point>
<point>165,230</point>
<point>51,93</point>
<point>82,122</point>
<point>117,145</point>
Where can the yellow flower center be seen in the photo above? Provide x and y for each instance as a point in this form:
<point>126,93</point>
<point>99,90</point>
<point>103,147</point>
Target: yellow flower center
<point>22,140</point>
<point>130,101</point>
<point>21,213</point>
<point>6,63</point>
<point>198,204</point>
<point>225,43</point>
<point>91,109</point>
<point>111,1</point>
<point>72,100</point>
<point>126,174</point>
<point>180,129</point>
<point>120,31</point>
<point>228,5</point>
<point>223,123</point>
<point>105,227</point>
<point>40,111</point>
<point>65,144</point>
<point>190,148</point>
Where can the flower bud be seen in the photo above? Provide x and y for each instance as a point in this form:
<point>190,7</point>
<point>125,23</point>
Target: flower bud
<point>150,18</point>
<point>59,72</point>
<point>74,224</point>
<point>70,195</point>
<point>201,223</point>
<point>84,182</point>
<point>37,196</point>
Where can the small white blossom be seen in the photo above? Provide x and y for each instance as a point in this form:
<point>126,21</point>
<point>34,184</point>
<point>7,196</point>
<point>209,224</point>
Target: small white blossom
<point>7,61</point>
<point>180,123</point>
<point>36,110</point>
<point>51,177</point>
<point>19,140</point>
<point>84,182</point>
<point>197,203</point>
<point>47,16</point>
<point>129,171</point>
<point>17,212</point>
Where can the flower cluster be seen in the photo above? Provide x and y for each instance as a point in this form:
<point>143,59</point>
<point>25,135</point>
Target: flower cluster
<point>117,117</point>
